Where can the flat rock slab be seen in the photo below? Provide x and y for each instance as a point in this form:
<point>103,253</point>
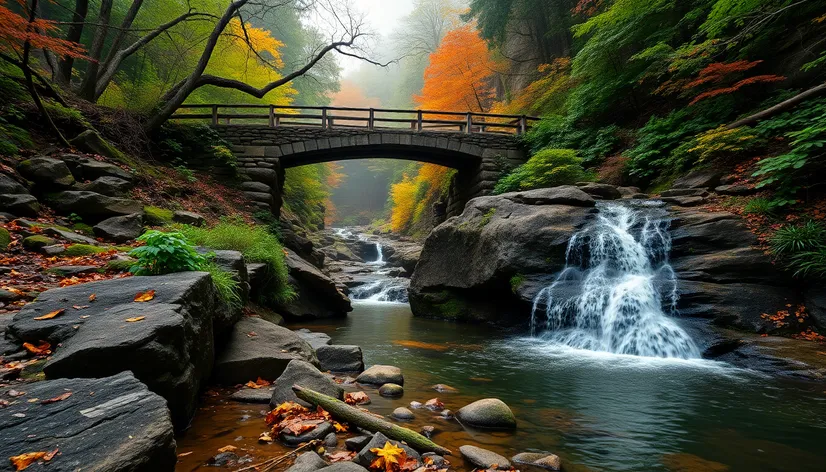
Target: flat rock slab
<point>380,375</point>
<point>108,424</point>
<point>304,374</point>
<point>170,347</point>
<point>340,358</point>
<point>252,395</point>
<point>483,458</point>
<point>316,340</point>
<point>258,348</point>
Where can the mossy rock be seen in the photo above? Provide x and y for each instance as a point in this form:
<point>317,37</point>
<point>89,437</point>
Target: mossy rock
<point>38,241</point>
<point>156,216</point>
<point>83,228</point>
<point>5,238</point>
<point>76,250</point>
<point>122,265</point>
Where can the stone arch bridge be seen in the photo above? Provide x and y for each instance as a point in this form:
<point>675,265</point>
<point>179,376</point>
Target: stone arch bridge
<point>268,139</point>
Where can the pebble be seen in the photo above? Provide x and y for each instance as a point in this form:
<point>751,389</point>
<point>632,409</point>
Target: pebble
<point>428,431</point>
<point>416,405</point>
<point>402,413</point>
<point>391,390</point>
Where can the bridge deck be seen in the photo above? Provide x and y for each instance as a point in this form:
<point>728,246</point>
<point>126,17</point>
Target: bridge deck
<point>358,118</point>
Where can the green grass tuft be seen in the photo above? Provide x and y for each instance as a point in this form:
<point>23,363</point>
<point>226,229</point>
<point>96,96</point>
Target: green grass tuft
<point>759,206</point>
<point>228,287</point>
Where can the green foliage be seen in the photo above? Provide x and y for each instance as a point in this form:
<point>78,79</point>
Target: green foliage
<point>547,168</point>
<point>516,282</point>
<point>156,216</point>
<point>13,137</point>
<point>165,253</point>
<point>186,173</point>
<point>66,116</point>
<point>810,263</point>
<point>255,243</point>
<point>273,225</point>
<point>5,239</point>
<point>76,250</point>
<point>305,193</point>
<point>717,143</point>
<point>558,132</point>
<point>177,143</point>
<point>759,206</point>
<point>226,284</point>
<point>791,238</point>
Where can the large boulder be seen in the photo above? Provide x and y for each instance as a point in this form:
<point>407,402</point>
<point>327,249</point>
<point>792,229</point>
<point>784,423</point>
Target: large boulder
<point>166,342</point>
<point>491,413</point>
<point>318,295</point>
<point>91,206</point>
<point>703,178</point>
<point>601,191</point>
<point>304,374</point>
<point>93,143</point>
<point>120,229</point>
<point>258,348</point>
<point>468,261</point>
<point>47,173</point>
<point>340,358</point>
<point>19,204</point>
<point>9,186</point>
<point>108,424</point>
<point>107,185</point>
<point>91,170</point>
<point>722,275</point>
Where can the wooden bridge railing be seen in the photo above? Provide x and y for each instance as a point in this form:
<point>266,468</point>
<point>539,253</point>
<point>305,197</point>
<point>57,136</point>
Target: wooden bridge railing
<point>359,118</point>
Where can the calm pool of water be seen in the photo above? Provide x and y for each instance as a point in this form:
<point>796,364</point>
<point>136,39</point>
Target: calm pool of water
<point>597,411</point>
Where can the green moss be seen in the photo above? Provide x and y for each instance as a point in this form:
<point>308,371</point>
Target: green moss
<point>516,282</point>
<point>83,228</point>
<point>487,217</point>
<point>34,370</point>
<point>156,216</point>
<point>119,266</point>
<point>5,238</point>
<point>37,241</point>
<point>452,309</point>
<point>83,250</point>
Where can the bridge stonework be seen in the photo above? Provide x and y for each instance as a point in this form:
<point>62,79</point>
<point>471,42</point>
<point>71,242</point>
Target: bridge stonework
<point>264,152</point>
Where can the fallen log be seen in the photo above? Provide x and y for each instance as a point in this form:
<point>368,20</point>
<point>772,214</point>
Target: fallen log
<point>365,420</point>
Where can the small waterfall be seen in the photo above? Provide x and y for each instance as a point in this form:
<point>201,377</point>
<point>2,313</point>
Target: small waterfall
<point>382,290</point>
<point>609,297</point>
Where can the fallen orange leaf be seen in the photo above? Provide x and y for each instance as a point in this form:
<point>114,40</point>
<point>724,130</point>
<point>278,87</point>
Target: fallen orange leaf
<point>252,384</point>
<point>262,382</point>
<point>22,461</point>
<point>50,455</point>
<point>184,454</point>
<point>227,449</point>
<point>51,314</point>
<point>145,296</point>
<point>42,349</point>
<point>57,398</point>
<point>137,318</point>
<point>93,297</point>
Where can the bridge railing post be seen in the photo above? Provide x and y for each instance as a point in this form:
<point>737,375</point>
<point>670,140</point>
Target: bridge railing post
<point>469,123</point>
<point>419,120</point>
<point>272,116</point>
<point>523,124</point>
<point>370,119</point>
<point>324,124</point>
<point>214,115</point>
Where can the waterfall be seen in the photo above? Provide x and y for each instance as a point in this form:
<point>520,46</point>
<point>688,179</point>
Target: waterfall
<point>610,295</point>
<point>380,257</point>
<point>382,290</point>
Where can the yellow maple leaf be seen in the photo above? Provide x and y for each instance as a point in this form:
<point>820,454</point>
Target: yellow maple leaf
<point>387,456</point>
<point>145,296</point>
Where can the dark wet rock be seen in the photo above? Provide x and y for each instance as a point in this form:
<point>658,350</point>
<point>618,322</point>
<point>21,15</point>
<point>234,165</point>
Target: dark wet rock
<point>93,207</point>
<point>53,250</point>
<point>629,192</point>
<point>107,185</point>
<point>684,201</point>
<point>259,197</point>
<point>380,375</point>
<point>442,388</point>
<point>490,413</point>
<point>428,431</point>
<point>699,179</point>
<point>170,349</point>
<point>188,218</point>
<point>601,191</point>
<point>734,190</point>
<point>331,440</point>
<point>37,242</point>
<point>315,339</point>
<point>685,192</point>
<point>402,413</point>
<point>366,457</point>
<point>19,204</point>
<point>256,273</point>
<point>468,261</point>
<point>120,229</point>
<point>223,459</point>
<point>406,257</point>
<point>306,375</point>
<point>537,460</point>
<point>357,443</point>
<point>391,390</point>
<point>319,432</point>
<point>67,271</point>
<point>70,236</point>
<point>252,395</point>
<point>258,348</point>
<point>340,358</point>
<point>343,467</point>
<point>92,170</point>
<point>108,424</point>
<point>483,458</point>
<point>815,301</point>
<point>9,186</point>
<point>47,173</point>
<point>318,295</point>
<point>255,187</point>
<point>307,462</point>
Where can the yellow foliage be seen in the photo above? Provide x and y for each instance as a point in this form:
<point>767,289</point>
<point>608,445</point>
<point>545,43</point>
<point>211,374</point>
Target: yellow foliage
<point>403,196</point>
<point>413,196</point>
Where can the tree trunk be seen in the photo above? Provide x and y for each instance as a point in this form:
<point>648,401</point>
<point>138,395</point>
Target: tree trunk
<point>64,70</point>
<point>356,417</point>
<point>780,107</point>
<point>87,87</point>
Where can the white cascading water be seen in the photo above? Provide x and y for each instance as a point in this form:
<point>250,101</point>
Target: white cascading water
<point>380,258</point>
<point>382,290</point>
<point>609,297</point>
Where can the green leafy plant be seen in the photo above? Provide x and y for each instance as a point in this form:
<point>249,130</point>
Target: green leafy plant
<point>186,173</point>
<point>547,168</point>
<point>164,253</point>
<point>516,281</point>
<point>810,263</point>
<point>758,206</point>
<point>789,171</point>
<point>791,239</point>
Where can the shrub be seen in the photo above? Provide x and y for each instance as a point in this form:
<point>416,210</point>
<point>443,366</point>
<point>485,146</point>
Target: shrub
<point>792,239</point>
<point>255,243</point>
<point>758,206</point>
<point>547,168</point>
<point>164,253</point>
